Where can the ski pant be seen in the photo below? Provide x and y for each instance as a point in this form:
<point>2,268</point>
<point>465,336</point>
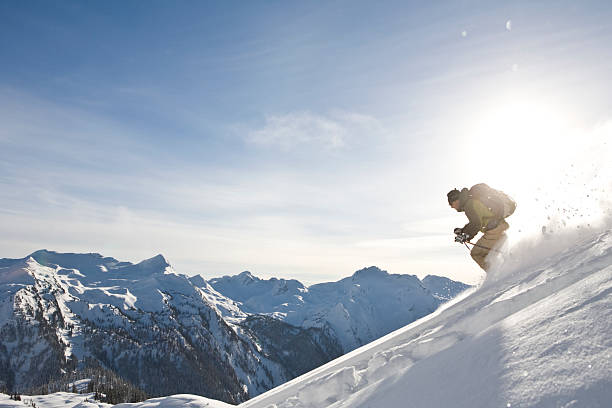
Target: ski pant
<point>491,239</point>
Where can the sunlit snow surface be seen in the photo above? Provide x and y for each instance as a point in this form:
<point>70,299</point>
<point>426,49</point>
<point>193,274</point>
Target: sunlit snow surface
<point>69,400</point>
<point>536,333</point>
<point>179,401</point>
<point>56,400</point>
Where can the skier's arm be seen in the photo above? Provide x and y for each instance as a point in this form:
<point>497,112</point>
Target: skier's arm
<point>472,227</point>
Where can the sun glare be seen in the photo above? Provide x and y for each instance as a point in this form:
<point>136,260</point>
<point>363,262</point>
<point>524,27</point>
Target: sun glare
<point>520,139</point>
<point>531,150</point>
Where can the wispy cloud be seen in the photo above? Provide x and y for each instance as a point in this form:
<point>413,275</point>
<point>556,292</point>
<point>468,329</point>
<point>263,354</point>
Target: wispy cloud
<point>298,129</point>
<point>73,180</point>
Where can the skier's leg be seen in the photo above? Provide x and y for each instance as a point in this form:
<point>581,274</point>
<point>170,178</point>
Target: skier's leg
<point>479,254</point>
<point>490,240</point>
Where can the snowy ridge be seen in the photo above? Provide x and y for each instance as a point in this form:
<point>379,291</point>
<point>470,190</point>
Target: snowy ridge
<point>356,309</point>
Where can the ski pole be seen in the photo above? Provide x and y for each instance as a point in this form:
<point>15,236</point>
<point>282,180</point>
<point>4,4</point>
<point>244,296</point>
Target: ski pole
<point>480,246</point>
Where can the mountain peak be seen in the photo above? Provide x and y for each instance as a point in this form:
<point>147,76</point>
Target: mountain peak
<point>369,273</point>
<point>247,277</point>
<point>156,264</point>
<point>157,259</point>
<point>29,261</point>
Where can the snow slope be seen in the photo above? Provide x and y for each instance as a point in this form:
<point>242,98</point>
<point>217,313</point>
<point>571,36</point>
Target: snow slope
<point>179,401</point>
<point>70,400</point>
<point>56,400</point>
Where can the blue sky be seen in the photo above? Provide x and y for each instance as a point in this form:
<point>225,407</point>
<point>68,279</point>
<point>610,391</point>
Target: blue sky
<point>292,139</point>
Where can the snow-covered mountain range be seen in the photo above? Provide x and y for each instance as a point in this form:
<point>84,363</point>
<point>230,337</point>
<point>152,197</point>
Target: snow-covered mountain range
<point>535,333</point>
<point>150,325</point>
<point>229,338</point>
<point>356,310</point>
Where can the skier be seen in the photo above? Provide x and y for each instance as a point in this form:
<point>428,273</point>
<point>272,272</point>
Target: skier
<point>486,210</point>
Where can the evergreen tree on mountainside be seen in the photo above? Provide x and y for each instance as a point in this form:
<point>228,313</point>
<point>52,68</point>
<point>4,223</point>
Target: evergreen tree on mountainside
<point>107,385</point>
<point>288,344</point>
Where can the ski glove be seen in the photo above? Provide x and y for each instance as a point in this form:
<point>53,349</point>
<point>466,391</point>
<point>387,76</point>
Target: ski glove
<point>458,231</point>
<point>461,238</point>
